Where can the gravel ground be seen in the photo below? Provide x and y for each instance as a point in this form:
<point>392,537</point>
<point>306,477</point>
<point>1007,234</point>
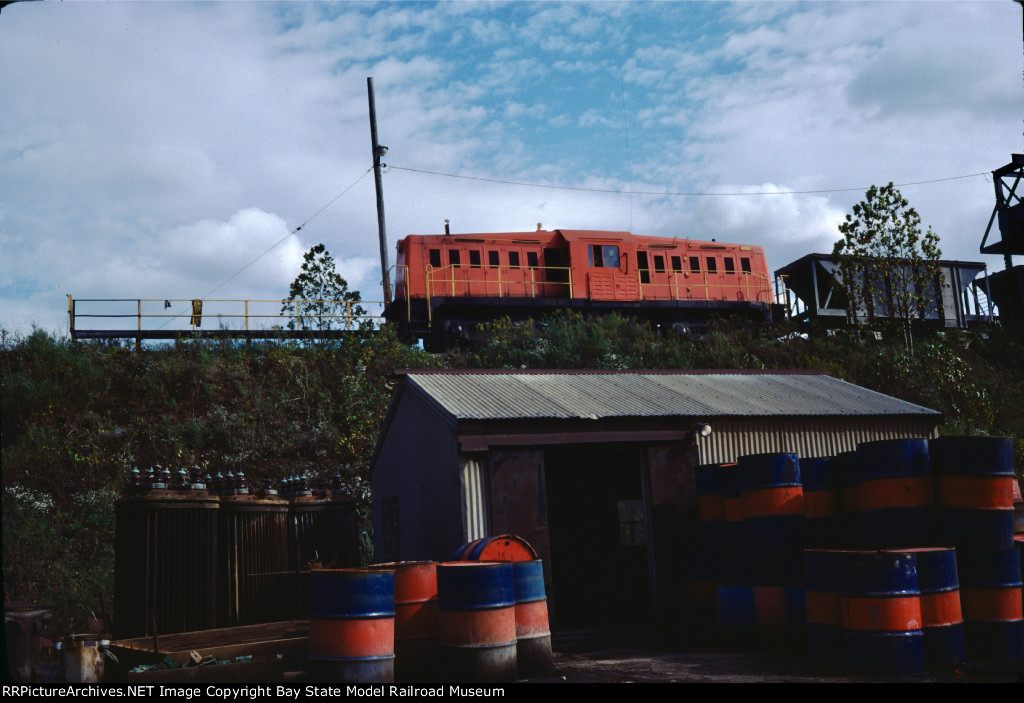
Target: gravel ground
<point>638,657</point>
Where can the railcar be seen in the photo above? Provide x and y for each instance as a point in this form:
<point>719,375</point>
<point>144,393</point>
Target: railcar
<point>447,283</point>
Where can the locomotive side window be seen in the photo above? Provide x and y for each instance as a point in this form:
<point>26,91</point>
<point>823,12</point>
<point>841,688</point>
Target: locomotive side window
<point>694,264</point>
<point>603,256</point>
<point>474,259</point>
<point>659,264</point>
<point>745,264</point>
<point>677,264</point>
<point>454,260</point>
<point>712,265</point>
<point>492,259</point>
<point>435,258</point>
<point>531,259</point>
<point>513,259</point>
<point>730,266</point>
<point>644,266</point>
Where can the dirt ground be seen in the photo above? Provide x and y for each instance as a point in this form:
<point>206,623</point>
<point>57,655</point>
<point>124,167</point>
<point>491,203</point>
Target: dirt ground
<point>641,657</point>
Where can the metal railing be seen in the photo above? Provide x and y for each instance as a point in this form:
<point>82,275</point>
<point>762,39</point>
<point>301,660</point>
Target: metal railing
<point>303,317</point>
<point>753,283</point>
<point>525,276</point>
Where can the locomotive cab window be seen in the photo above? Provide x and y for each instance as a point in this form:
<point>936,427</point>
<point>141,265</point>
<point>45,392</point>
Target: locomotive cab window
<point>493,260</point>
<point>659,264</point>
<point>435,258</point>
<point>454,258</point>
<point>677,264</point>
<point>531,259</point>
<point>712,265</point>
<point>513,259</point>
<point>474,259</point>
<point>694,264</point>
<point>603,256</point>
<point>730,266</point>
<point>745,264</point>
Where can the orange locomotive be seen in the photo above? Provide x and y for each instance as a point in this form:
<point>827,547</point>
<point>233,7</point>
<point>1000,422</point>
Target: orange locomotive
<point>445,283</point>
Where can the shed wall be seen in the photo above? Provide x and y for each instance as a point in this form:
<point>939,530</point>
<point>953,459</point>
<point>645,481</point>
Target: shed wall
<point>808,437</point>
<point>417,506</point>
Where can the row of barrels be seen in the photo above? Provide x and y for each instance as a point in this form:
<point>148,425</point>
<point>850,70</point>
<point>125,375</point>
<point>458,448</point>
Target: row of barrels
<point>951,491</point>
<point>905,611</point>
<point>888,612</point>
<point>429,622</point>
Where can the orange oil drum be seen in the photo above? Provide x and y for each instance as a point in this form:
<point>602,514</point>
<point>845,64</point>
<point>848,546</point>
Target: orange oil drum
<point>415,619</point>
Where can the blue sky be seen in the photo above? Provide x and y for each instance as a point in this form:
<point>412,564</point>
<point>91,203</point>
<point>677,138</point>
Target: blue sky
<point>154,149</point>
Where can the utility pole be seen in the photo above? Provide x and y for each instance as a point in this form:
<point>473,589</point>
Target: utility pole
<point>379,151</point>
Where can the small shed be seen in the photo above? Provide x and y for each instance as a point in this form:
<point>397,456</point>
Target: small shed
<point>596,468</point>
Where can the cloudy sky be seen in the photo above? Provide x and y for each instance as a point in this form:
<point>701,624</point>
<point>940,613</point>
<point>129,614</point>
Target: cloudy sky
<point>154,150</point>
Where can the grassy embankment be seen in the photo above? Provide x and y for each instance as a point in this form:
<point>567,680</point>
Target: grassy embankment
<point>76,417</point>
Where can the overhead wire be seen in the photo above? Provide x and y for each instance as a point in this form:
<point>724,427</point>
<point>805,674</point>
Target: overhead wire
<point>275,244</point>
<point>677,193</point>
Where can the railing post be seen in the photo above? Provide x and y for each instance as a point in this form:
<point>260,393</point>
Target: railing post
<point>71,316</point>
<point>246,316</point>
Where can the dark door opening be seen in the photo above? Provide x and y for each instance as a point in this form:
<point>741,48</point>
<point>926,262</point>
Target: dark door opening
<point>597,529</point>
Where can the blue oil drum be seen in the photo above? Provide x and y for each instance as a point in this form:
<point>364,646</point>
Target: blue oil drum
<point>352,625</point>
<point>772,501</point>
<point>705,574</point>
<point>820,480</point>
<point>881,602</point>
<point>476,621</point>
<point>729,484</point>
<point>990,593</point>
<point>735,617</point>
<point>533,631</point>
<point>888,495</point>
<point>824,573</point>
<point>712,528</point>
<point>975,490</point>
<point>942,621</point>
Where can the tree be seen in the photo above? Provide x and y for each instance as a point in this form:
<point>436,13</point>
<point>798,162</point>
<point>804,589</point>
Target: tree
<point>319,299</point>
<point>889,268</point>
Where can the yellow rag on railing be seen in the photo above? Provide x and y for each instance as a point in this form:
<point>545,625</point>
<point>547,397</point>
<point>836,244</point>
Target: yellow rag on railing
<point>197,313</point>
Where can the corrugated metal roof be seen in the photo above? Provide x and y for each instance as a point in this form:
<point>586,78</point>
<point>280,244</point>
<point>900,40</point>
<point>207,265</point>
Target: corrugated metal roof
<point>554,395</point>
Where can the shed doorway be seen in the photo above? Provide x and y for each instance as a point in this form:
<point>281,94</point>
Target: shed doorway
<point>598,535</point>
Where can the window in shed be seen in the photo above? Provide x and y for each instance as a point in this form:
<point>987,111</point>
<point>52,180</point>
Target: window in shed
<point>531,259</point>
<point>712,265</point>
<point>513,259</point>
<point>454,258</point>
<point>435,257</point>
<point>493,260</point>
<point>745,264</point>
<point>677,264</point>
<point>730,266</point>
<point>474,258</point>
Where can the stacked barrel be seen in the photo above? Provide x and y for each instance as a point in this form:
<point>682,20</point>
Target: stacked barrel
<point>749,569</point>
<point>907,553</point>
<point>976,481</point>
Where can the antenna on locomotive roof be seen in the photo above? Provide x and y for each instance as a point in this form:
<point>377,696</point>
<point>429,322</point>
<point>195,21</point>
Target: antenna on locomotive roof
<point>540,226</point>
<point>446,230</point>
